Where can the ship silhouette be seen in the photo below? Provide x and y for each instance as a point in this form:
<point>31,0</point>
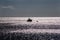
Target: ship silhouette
<point>29,20</point>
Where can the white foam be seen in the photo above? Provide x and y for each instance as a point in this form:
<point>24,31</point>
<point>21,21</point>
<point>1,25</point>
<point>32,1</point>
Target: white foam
<point>37,31</point>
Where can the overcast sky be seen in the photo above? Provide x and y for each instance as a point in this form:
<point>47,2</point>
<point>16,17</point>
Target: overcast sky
<point>33,8</point>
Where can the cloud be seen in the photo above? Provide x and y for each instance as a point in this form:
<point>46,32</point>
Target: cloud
<point>10,7</point>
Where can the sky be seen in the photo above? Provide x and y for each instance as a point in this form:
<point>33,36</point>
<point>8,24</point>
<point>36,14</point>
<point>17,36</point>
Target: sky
<point>29,8</point>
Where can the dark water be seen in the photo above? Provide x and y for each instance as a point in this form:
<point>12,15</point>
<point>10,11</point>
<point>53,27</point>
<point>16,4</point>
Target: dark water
<point>4,28</point>
<point>31,36</point>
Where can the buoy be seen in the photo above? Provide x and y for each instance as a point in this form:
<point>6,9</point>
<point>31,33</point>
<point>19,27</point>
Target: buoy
<point>36,21</point>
